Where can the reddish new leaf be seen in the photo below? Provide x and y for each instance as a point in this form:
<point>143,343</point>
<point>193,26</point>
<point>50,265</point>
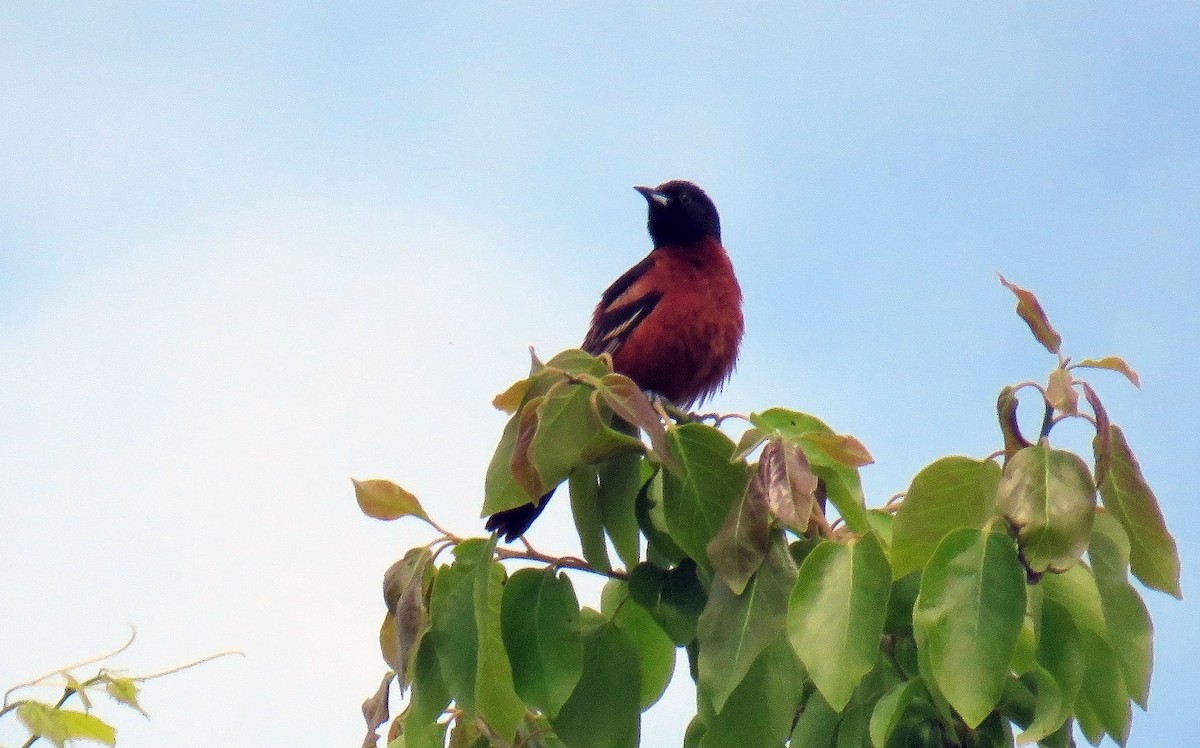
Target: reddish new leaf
<point>789,484</point>
<point>631,404</point>
<point>1006,409</point>
<point>1112,363</point>
<point>1031,311</point>
<point>1103,446</point>
<point>1061,394</point>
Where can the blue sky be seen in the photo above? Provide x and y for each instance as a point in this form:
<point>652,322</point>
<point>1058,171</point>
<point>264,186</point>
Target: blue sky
<point>248,251</point>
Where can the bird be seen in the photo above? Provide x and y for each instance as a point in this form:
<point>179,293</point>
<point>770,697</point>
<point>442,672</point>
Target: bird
<point>672,323</point>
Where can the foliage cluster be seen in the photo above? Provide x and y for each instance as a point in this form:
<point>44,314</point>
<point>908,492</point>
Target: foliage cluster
<point>989,604</point>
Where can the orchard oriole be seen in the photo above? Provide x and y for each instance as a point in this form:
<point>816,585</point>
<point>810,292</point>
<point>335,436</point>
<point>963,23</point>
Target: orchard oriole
<point>673,322</point>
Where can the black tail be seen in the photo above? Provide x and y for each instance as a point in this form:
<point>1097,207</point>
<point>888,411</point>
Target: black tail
<point>512,523</point>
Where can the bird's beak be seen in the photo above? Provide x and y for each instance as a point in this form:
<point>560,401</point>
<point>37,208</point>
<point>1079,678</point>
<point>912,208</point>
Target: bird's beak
<point>653,195</point>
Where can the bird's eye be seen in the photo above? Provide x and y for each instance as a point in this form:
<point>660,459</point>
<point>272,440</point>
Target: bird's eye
<point>685,197</point>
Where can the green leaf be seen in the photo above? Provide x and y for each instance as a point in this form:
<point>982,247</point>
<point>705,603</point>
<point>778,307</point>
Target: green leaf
<point>578,363</point>
<point>382,499</point>
<point>760,710</point>
<point>430,697</point>
<point>1049,712</point>
<point>968,616</point>
<point>496,700</point>
<point>816,727</point>
<point>1128,622</point>
<point>620,481</point>
<point>890,709</point>
<point>501,490</point>
<point>603,711</point>
<point>836,613</point>
<point>1103,701</point>
<point>1060,652</point>
<point>656,651</point>
<point>674,598</point>
<point>951,493</point>
<point>1112,363</point>
<point>1031,311</point>
<point>734,629</point>
<point>585,508</point>
<point>124,691</point>
<point>60,725</point>
<point>738,548</point>
<point>539,619</point>
<point>696,501</point>
<point>1152,555</point>
<point>652,519</point>
<point>452,628</point>
<point>1049,495</point>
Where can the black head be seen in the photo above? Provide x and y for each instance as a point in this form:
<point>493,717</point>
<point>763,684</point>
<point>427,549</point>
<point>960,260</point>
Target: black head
<point>680,213</point>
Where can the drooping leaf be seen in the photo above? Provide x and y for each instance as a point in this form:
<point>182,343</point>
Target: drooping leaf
<point>696,500</point>
<point>816,727</point>
<point>632,405</point>
<point>1030,310</point>
<point>1102,704</point>
<point>760,710</point>
<point>452,628</point>
<point>842,483</point>
<point>1006,409</point>
<point>656,651</point>
<point>1128,622</point>
<point>603,711</point>
<point>382,499</point>
<point>1112,363</point>
<point>539,619</point>
<point>501,490</point>
<point>404,586</point>
<point>1049,495</point>
<point>375,711</point>
<point>738,548</point>
<point>652,519</point>
<point>589,523</point>
<point>674,598</point>
<point>1103,440</point>
<point>968,616</point>
<point>734,629</point>
<point>789,484</point>
<point>890,709</point>
<point>951,493</point>
<point>430,697</point>
<point>1153,555</point>
<point>496,700</point>
<point>620,480</point>
<point>836,613</point>
<point>1049,713</point>
<point>1060,653</point>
